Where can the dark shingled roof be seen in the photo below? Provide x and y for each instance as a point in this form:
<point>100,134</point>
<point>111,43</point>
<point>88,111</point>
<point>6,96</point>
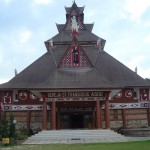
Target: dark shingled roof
<point>106,71</point>
<point>83,35</point>
<point>75,78</point>
<point>88,27</point>
<point>81,9</point>
<point>59,51</point>
<point>114,71</point>
<point>74,5</point>
<point>65,37</point>
<point>34,74</point>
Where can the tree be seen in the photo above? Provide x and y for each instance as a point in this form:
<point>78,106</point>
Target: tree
<point>4,128</point>
<point>12,130</point>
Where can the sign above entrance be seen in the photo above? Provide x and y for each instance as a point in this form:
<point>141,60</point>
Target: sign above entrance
<point>78,94</point>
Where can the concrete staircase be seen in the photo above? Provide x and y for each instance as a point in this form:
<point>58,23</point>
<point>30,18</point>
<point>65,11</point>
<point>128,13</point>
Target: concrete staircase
<point>75,136</point>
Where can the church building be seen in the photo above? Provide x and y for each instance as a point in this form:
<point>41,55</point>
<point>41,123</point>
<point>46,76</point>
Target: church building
<point>76,84</point>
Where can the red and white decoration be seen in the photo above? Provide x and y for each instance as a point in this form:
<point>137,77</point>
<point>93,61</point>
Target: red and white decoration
<point>32,96</point>
<point>125,94</point>
<point>111,106</point>
<point>74,26</point>
<point>129,105</point>
<point>26,95</point>
<point>99,43</point>
<point>75,52</point>
<point>75,55</point>
<point>23,107</point>
<point>119,95</point>
<point>128,93</point>
<point>23,95</point>
<point>144,94</point>
<point>51,45</point>
<point>7,98</point>
<point>79,21</point>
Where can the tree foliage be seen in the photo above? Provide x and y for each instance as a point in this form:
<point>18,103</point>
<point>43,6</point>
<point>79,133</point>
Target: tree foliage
<point>4,128</point>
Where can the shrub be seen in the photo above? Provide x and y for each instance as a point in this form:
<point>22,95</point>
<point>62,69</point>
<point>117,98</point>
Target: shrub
<point>22,134</point>
<point>4,128</point>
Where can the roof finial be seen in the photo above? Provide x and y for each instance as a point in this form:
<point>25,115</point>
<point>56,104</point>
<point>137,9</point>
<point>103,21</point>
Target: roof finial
<point>99,43</point>
<point>15,71</point>
<point>51,42</point>
<point>135,69</point>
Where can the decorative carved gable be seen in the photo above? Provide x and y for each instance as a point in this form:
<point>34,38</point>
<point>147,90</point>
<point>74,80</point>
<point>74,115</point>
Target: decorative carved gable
<point>74,11</point>
<point>75,57</point>
<point>79,21</point>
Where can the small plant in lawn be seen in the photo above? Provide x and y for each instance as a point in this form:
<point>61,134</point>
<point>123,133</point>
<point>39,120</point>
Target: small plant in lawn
<point>22,134</point>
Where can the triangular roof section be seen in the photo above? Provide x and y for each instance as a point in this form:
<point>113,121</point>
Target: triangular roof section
<point>84,37</point>
<point>79,9</point>
<point>34,74</point>
<point>78,62</point>
<point>74,11</point>
<point>75,56</point>
<point>72,78</point>
<point>60,27</point>
<point>116,72</point>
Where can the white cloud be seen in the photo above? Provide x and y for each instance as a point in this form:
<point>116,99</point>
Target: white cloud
<point>144,72</point>
<point>136,61</point>
<point>0,53</point>
<point>43,1</point>
<point>25,36</point>
<point>7,1</point>
<point>90,13</point>
<point>3,80</point>
<point>0,58</point>
<point>147,39</point>
<point>136,8</point>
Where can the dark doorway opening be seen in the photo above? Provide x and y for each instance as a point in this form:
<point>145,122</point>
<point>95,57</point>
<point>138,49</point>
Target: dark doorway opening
<point>77,121</point>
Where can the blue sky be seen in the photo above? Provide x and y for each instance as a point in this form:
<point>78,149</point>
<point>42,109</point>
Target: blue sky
<point>26,24</point>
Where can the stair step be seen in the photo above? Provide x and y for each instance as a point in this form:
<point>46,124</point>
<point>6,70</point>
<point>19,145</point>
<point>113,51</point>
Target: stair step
<point>74,136</point>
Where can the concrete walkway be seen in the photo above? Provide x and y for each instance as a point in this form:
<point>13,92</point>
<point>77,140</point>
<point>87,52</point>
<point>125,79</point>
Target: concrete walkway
<point>92,140</point>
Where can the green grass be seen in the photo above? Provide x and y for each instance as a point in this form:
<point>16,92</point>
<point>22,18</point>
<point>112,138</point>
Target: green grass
<point>145,145</point>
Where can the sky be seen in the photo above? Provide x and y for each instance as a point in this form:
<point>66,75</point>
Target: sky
<point>26,24</point>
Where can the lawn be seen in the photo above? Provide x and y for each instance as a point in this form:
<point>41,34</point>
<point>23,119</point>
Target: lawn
<point>145,145</point>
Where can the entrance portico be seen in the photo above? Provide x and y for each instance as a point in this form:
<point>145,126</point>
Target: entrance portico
<point>76,112</point>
